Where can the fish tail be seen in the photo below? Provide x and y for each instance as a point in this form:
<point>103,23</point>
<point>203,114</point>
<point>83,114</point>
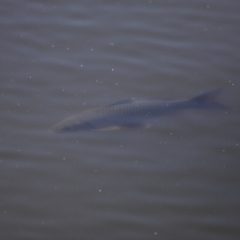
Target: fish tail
<point>208,100</point>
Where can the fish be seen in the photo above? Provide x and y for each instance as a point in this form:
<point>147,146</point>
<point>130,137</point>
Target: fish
<point>133,113</point>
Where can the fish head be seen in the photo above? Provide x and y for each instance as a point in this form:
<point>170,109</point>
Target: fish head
<point>71,127</point>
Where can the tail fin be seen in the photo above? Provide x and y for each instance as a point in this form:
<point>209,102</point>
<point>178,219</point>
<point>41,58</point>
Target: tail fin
<point>207,100</point>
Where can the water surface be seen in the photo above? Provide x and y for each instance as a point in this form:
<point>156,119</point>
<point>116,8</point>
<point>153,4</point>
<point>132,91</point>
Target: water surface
<point>178,179</point>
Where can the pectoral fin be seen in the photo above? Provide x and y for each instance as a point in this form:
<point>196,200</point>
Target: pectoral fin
<point>128,125</point>
<point>137,125</point>
<point>110,128</point>
<point>125,101</point>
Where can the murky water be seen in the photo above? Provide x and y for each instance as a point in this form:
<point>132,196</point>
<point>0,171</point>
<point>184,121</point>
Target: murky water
<point>178,179</point>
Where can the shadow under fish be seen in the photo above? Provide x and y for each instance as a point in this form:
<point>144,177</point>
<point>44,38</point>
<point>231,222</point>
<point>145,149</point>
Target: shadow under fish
<point>133,113</point>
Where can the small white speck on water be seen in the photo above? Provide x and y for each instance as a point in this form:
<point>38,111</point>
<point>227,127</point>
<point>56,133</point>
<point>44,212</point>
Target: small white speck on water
<point>100,190</point>
<point>231,83</point>
<point>112,69</point>
<point>155,233</point>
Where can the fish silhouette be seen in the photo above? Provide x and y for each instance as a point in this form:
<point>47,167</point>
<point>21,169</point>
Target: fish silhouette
<point>133,113</point>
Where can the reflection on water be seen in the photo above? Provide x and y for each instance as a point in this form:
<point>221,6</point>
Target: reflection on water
<point>178,178</point>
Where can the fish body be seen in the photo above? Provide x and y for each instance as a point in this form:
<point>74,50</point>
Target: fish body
<point>133,112</point>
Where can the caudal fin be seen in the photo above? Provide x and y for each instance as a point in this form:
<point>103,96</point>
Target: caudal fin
<point>207,100</point>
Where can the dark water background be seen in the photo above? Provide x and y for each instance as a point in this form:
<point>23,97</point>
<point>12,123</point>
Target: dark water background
<point>178,179</point>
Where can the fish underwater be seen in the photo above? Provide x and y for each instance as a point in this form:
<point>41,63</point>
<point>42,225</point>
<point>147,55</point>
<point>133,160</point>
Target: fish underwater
<point>132,113</point>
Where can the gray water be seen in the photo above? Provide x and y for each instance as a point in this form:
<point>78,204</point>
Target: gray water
<point>178,179</point>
